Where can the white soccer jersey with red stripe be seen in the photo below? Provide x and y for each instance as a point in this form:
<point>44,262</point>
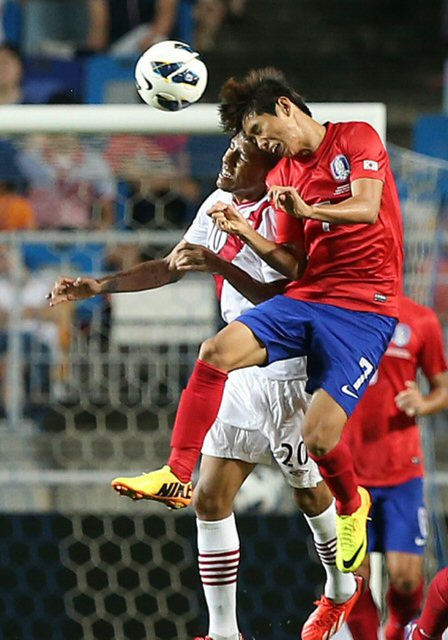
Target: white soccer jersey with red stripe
<point>232,303</point>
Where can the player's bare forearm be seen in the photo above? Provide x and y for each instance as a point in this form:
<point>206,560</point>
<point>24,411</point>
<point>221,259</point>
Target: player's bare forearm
<point>362,208</point>
<point>435,401</point>
<point>414,403</point>
<point>354,210</point>
<point>289,261</point>
<point>146,275</point>
<point>252,289</point>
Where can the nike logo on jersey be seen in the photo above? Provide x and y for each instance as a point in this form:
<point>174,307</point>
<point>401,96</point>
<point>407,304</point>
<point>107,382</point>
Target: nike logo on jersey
<point>348,392</point>
<point>349,563</point>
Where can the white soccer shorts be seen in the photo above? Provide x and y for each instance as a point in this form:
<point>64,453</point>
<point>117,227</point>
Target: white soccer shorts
<point>261,419</point>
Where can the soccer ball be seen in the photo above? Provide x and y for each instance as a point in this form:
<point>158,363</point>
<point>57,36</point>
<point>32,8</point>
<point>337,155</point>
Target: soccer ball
<point>170,76</point>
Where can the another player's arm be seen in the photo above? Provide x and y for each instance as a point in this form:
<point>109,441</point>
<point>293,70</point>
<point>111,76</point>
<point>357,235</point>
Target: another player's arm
<point>287,259</point>
<point>141,277</point>
<point>192,257</point>
<point>414,403</point>
<point>362,207</point>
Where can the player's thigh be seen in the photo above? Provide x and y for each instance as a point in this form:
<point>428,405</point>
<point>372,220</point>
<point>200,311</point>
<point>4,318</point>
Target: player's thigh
<point>219,481</point>
<point>405,570</point>
<point>233,347</point>
<point>282,426</point>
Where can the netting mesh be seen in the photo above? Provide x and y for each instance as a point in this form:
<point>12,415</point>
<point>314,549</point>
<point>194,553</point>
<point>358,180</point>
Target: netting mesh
<point>89,391</point>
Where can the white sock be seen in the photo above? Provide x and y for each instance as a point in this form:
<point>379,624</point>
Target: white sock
<point>338,586</point>
<point>219,555</point>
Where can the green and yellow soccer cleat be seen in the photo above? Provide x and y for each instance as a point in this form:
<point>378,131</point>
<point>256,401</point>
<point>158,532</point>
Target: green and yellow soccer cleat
<point>160,485</point>
<point>351,532</point>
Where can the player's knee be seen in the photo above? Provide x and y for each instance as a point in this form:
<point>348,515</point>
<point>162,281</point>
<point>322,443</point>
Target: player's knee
<point>211,352</point>
<point>405,582</point>
<point>318,437</point>
<point>210,505</point>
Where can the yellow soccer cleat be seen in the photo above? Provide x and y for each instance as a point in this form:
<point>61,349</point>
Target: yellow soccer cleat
<point>160,485</point>
<point>351,532</point>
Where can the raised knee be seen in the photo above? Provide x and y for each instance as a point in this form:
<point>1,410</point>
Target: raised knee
<point>318,438</point>
<point>212,353</point>
<point>404,583</point>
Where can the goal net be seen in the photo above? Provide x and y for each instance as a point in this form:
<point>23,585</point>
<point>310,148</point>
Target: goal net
<point>89,391</point>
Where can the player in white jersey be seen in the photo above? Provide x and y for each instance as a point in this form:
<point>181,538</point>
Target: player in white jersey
<point>261,412</point>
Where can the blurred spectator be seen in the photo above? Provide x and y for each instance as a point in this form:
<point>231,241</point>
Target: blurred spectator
<point>11,74</point>
<point>71,186</point>
<point>210,15</point>
<point>155,182</point>
<point>45,336</point>
<point>16,211</point>
<point>122,27</point>
<point>126,27</point>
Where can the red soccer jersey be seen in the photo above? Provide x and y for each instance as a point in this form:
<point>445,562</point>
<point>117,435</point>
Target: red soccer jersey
<point>356,266</point>
<point>384,441</point>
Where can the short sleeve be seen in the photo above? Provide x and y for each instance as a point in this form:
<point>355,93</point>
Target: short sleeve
<point>365,152</point>
<point>197,232</point>
<point>289,229</point>
<point>432,358</point>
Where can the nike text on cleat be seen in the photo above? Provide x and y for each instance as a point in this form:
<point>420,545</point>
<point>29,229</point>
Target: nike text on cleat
<point>160,485</point>
<point>351,532</point>
<point>328,617</point>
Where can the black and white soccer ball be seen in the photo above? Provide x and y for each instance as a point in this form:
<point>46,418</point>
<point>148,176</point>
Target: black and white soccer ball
<point>170,76</point>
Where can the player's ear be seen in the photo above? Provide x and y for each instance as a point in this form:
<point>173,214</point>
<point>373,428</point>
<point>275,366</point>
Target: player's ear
<point>285,105</point>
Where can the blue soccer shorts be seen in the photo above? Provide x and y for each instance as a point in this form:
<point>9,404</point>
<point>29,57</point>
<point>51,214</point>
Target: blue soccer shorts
<point>343,347</point>
<point>399,519</point>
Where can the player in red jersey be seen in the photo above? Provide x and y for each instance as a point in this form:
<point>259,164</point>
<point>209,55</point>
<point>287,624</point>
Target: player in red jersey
<point>340,238</point>
<point>434,618</point>
<point>384,438</point>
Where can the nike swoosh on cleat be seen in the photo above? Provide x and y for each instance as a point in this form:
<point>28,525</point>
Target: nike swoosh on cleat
<point>348,392</point>
<point>348,563</point>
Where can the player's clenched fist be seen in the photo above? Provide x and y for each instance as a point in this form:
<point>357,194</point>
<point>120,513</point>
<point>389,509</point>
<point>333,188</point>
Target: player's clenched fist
<point>410,400</point>
<point>287,199</point>
<point>229,219</point>
<point>195,257</point>
<point>67,289</point>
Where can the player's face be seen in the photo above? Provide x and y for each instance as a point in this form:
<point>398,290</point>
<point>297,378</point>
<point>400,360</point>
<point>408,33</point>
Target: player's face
<point>281,134</point>
<point>243,169</point>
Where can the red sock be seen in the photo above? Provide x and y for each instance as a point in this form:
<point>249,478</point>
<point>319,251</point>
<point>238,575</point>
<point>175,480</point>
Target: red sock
<point>197,411</point>
<point>434,618</point>
<point>364,619</point>
<point>403,607</point>
<point>336,467</point>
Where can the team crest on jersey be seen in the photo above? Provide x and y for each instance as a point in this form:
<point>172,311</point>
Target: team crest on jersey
<point>340,168</point>
<point>402,334</point>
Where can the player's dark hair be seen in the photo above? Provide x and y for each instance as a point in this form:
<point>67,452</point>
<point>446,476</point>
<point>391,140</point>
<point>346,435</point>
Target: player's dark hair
<point>257,93</point>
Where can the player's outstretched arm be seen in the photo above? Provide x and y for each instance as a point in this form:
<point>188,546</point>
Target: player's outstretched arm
<point>193,257</point>
<point>362,208</point>
<point>150,274</point>
<point>288,260</point>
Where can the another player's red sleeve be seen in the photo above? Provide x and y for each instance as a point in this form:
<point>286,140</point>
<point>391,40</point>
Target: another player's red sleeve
<point>289,229</point>
<point>432,358</point>
<point>365,152</point>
